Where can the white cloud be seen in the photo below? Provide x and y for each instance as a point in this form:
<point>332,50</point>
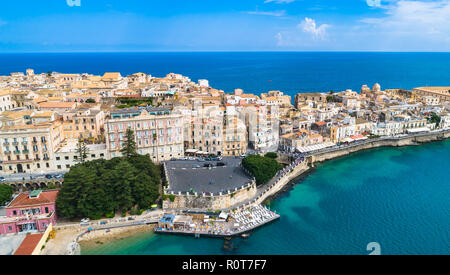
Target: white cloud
<point>309,26</point>
<point>268,13</point>
<point>374,3</point>
<point>415,18</point>
<point>279,1</point>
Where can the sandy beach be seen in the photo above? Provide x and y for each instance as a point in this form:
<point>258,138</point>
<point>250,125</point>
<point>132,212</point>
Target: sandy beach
<point>100,237</point>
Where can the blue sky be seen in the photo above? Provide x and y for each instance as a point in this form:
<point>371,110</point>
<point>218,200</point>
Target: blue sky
<point>224,25</point>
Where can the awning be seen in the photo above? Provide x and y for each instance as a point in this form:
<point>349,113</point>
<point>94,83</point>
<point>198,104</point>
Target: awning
<point>191,151</point>
<point>223,215</point>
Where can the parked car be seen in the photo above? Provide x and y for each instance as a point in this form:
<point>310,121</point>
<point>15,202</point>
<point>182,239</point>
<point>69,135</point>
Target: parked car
<point>86,220</point>
<point>196,166</point>
<point>173,159</point>
<point>48,176</point>
<point>2,179</point>
<point>208,165</point>
<point>59,176</point>
<point>220,164</point>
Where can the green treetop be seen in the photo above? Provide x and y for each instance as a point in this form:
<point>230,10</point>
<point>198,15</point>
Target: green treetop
<point>6,192</point>
<point>129,147</point>
<point>82,151</point>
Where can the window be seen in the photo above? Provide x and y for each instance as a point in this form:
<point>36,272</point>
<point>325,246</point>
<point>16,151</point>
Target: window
<point>59,167</point>
<point>46,210</point>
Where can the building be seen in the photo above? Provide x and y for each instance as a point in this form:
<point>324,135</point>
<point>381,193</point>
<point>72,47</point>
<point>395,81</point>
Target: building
<point>302,98</point>
<point>66,155</point>
<point>158,132</point>
<point>443,93</point>
<point>29,148</point>
<point>29,212</point>
<point>85,122</point>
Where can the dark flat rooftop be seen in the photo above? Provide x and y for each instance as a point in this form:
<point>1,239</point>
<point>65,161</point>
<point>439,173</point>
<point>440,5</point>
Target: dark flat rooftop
<point>183,176</point>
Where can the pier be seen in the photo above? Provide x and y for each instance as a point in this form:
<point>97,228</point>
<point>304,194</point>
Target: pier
<point>232,225</point>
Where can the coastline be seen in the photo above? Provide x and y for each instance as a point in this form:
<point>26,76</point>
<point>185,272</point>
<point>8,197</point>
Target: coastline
<point>100,237</point>
<point>297,175</point>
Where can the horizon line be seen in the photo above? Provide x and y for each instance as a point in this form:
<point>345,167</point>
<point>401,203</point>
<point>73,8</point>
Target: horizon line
<point>220,51</point>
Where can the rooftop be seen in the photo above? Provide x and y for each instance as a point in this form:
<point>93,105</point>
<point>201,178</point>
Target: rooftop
<point>29,244</point>
<point>23,199</point>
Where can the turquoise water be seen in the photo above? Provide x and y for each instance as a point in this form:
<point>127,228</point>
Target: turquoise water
<point>398,197</point>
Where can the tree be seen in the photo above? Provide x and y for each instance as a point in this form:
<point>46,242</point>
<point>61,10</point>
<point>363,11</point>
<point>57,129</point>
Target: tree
<point>6,192</point>
<point>271,155</point>
<point>262,168</point>
<point>129,148</point>
<point>90,100</point>
<point>82,151</point>
<point>98,188</point>
<point>435,119</point>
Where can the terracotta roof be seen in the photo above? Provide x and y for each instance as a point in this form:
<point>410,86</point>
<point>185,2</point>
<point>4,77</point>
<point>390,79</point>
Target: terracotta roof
<point>29,244</point>
<point>111,76</point>
<point>45,197</point>
<point>56,104</point>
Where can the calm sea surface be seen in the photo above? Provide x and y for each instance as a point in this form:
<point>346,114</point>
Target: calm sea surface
<point>398,197</point>
<point>290,72</point>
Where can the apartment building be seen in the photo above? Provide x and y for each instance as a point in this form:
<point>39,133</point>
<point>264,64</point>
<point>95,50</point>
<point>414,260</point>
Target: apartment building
<point>158,132</point>
<point>28,147</point>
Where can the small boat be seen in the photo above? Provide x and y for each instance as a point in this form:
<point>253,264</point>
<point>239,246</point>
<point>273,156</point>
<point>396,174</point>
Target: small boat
<point>246,235</point>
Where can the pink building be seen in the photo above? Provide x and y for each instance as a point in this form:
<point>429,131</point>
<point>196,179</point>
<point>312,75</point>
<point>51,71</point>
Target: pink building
<point>28,212</point>
<point>158,132</point>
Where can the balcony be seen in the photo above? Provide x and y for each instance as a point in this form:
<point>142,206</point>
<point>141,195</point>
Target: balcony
<point>15,143</point>
<point>34,141</point>
<point>6,143</point>
<point>7,152</point>
<point>26,151</point>
<point>17,152</point>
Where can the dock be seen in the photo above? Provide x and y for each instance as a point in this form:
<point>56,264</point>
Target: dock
<point>233,225</point>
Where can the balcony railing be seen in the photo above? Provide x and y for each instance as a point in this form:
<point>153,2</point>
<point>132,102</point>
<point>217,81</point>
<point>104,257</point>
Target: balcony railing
<point>17,152</point>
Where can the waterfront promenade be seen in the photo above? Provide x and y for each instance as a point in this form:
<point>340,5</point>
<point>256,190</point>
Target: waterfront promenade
<point>302,163</point>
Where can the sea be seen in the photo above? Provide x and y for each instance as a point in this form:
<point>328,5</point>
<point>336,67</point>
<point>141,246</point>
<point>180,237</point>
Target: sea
<point>397,198</point>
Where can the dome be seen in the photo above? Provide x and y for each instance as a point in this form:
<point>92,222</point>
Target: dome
<point>376,88</point>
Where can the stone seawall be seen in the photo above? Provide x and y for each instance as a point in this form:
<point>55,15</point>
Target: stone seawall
<point>295,173</point>
<point>393,142</point>
<point>343,151</point>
